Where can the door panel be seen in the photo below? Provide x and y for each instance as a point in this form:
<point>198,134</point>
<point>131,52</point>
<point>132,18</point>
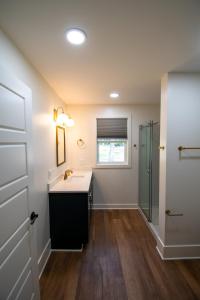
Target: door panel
<point>26,291</point>
<point>13,266</point>
<point>21,283</point>
<point>17,210</point>
<point>12,162</point>
<point>12,113</point>
<point>13,188</point>
<point>18,265</point>
<point>7,247</point>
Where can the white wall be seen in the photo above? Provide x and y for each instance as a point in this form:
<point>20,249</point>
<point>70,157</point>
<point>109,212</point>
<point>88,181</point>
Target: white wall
<point>162,165</point>
<point>113,187</point>
<point>43,132</point>
<point>180,175</point>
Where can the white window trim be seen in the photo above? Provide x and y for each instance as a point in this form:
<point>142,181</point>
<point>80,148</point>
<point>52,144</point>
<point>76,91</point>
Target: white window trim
<point>126,165</point>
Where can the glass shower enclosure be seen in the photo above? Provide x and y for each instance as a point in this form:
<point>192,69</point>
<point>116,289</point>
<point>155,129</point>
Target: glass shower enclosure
<point>149,135</point>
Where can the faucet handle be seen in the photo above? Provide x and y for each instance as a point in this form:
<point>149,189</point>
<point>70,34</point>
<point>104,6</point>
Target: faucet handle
<point>69,172</point>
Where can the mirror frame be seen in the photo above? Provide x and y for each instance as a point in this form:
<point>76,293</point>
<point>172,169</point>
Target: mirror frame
<point>58,128</point>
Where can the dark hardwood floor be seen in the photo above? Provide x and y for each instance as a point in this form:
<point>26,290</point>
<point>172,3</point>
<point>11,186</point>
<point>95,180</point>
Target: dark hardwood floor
<point>119,263</point>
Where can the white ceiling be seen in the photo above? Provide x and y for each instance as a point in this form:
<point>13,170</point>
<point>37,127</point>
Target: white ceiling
<point>130,44</point>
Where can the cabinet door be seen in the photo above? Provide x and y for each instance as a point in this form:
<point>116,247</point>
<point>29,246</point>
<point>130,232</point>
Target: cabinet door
<point>68,215</point>
<point>91,193</point>
<point>90,202</point>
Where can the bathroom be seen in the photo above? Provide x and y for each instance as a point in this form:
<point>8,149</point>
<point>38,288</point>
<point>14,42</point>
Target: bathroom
<point>132,106</point>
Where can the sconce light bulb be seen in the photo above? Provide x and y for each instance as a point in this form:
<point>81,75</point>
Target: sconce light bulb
<point>70,122</point>
<point>62,119</point>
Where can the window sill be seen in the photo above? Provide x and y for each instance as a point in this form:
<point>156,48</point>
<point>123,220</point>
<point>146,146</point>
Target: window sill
<point>112,166</point>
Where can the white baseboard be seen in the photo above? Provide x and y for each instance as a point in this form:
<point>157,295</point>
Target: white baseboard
<point>176,252</point>
<point>115,206</point>
<point>42,261</point>
<point>172,252</point>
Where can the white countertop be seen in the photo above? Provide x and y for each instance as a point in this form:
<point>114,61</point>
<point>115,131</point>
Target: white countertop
<point>78,182</point>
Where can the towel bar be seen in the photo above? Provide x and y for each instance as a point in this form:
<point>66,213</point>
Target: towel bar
<point>181,148</point>
<point>168,212</point>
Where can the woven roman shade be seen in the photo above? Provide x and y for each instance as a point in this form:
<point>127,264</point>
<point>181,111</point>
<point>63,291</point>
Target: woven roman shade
<point>112,128</point>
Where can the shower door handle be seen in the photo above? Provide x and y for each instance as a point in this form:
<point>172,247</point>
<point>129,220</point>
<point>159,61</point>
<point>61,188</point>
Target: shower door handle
<point>148,170</point>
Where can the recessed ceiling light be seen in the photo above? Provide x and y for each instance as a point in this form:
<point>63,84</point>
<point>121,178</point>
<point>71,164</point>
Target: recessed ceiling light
<point>75,36</point>
<point>114,95</point>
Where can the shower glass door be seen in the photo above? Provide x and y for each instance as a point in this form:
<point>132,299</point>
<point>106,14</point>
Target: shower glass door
<point>145,170</point>
<point>149,170</point>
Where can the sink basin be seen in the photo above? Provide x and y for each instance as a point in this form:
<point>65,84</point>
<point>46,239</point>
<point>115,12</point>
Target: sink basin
<point>79,181</point>
<point>74,178</point>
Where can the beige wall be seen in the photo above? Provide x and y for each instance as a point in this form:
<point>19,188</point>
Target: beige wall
<point>43,132</point>
<point>113,187</point>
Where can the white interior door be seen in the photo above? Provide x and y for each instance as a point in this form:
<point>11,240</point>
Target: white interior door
<point>18,268</point>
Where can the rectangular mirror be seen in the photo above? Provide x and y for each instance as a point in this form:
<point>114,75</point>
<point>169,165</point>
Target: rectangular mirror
<point>60,145</point>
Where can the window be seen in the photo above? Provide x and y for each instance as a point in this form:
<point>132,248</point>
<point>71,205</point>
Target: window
<point>112,141</point>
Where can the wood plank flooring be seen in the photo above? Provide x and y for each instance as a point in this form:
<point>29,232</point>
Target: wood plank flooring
<point>119,263</point>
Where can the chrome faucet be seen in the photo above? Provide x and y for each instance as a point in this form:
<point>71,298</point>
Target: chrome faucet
<point>68,173</point>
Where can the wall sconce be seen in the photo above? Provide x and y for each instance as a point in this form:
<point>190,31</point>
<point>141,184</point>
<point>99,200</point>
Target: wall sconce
<point>62,118</point>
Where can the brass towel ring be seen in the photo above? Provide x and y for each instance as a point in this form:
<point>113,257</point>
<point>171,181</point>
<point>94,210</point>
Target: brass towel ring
<point>80,143</point>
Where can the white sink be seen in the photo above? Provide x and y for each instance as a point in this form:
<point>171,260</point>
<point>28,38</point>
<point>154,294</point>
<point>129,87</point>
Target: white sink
<point>79,181</point>
<point>74,178</point>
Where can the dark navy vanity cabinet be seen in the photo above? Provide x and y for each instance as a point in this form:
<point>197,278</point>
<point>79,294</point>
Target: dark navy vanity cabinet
<point>70,216</point>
